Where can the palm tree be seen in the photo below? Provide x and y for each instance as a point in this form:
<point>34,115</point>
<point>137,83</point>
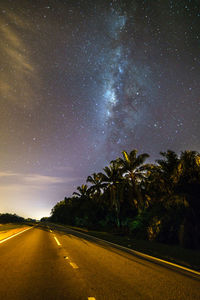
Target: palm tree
<point>83,206</point>
<point>189,167</point>
<point>97,185</point>
<point>131,168</point>
<point>112,179</point>
<point>83,191</point>
<point>169,168</point>
<point>178,185</point>
<point>112,173</point>
<point>161,178</point>
<point>152,185</point>
<point>188,184</point>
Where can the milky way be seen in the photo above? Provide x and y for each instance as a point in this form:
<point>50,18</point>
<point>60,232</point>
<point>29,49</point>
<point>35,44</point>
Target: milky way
<point>82,81</point>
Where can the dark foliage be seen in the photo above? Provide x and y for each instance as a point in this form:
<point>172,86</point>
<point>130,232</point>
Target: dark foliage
<point>159,201</point>
<point>10,218</point>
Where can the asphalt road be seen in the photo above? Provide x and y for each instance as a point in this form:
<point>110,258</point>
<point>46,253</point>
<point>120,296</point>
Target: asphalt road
<point>51,263</point>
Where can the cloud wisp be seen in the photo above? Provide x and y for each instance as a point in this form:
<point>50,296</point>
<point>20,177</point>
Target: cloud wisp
<point>37,180</point>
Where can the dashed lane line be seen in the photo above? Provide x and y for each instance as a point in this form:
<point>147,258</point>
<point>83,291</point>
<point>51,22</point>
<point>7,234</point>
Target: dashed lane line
<point>74,266</point>
<point>50,230</point>
<point>10,237</point>
<point>57,241</point>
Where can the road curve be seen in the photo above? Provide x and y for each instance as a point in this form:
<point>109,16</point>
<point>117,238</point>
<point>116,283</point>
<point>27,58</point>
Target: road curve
<point>51,263</point>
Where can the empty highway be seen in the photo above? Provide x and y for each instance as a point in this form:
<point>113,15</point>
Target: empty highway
<point>47,262</point>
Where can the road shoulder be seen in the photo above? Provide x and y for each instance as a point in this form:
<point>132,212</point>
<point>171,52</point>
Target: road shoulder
<point>12,232</point>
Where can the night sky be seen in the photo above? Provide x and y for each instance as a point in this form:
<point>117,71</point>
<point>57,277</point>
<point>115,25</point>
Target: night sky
<point>81,81</point>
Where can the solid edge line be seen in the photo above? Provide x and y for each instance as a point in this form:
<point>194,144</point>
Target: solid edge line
<point>10,237</point>
<point>57,241</point>
<point>142,254</point>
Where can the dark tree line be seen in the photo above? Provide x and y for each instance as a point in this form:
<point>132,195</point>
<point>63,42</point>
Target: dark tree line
<point>10,218</point>
<point>159,201</point>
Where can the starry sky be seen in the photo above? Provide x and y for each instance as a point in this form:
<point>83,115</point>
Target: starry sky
<point>81,81</point>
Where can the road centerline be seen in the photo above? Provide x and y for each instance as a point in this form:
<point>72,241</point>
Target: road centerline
<point>74,266</point>
<point>57,241</point>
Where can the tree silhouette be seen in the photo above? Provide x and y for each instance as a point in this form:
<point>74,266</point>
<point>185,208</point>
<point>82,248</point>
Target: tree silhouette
<point>130,166</point>
<point>97,184</point>
<point>158,200</point>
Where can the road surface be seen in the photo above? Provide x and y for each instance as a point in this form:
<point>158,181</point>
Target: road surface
<point>47,263</point>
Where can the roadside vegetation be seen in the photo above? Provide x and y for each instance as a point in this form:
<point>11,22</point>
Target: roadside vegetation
<point>10,218</point>
<point>151,201</point>
<point>10,221</point>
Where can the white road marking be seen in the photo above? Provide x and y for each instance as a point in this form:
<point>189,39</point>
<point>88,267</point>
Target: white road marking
<point>10,237</point>
<point>74,266</point>
<point>57,241</point>
<point>152,258</point>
